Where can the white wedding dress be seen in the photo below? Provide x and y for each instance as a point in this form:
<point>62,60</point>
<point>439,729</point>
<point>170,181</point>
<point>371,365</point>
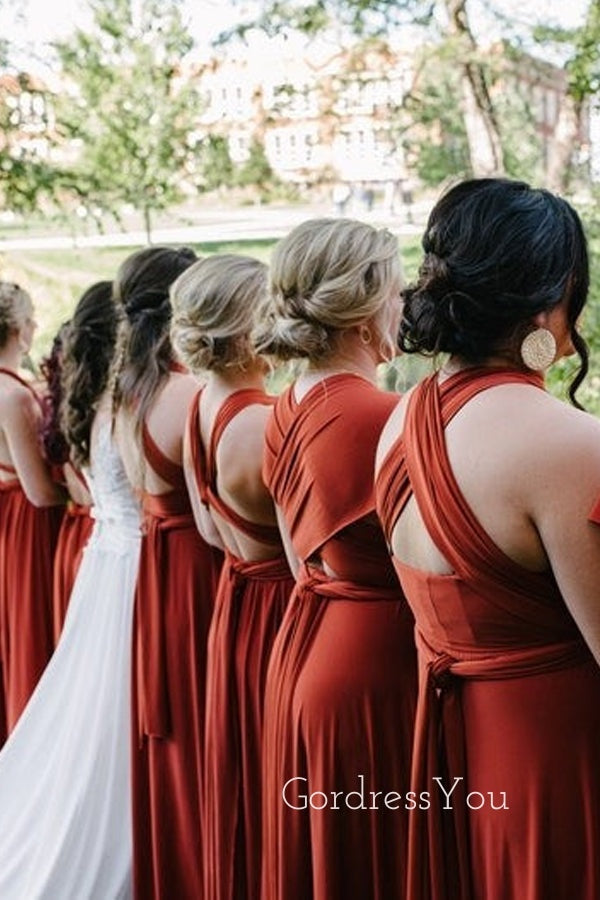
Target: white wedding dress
<point>65,805</point>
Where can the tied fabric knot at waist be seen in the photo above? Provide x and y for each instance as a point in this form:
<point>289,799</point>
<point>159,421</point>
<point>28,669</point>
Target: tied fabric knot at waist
<point>438,864</point>
<point>162,514</point>
<point>239,570</point>
<point>314,582</point>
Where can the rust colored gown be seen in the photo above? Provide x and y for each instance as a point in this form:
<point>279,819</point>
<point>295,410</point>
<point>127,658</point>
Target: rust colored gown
<point>341,685</point>
<point>509,697</point>
<point>251,599</point>
<point>28,536</point>
<point>177,582</point>
<point>75,531</point>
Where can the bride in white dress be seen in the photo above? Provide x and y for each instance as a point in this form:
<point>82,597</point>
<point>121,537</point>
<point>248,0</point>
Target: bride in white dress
<point>65,806</point>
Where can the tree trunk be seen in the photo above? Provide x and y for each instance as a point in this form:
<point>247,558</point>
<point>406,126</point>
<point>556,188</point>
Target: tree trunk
<point>148,224</point>
<point>481,126</point>
<point>563,144</point>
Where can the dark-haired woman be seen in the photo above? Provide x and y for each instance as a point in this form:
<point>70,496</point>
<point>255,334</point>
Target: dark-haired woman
<point>76,373</point>
<point>176,585</point>
<point>65,813</point>
<point>341,684</point>
<point>31,508</point>
<point>484,489</point>
<point>217,303</point>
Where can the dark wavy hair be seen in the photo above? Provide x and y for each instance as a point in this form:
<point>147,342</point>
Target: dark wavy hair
<point>54,443</point>
<point>496,253</point>
<point>88,347</point>
<point>144,354</point>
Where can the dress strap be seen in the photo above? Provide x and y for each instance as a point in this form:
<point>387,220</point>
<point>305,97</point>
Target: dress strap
<point>206,462</point>
<point>447,516</point>
<point>169,471</point>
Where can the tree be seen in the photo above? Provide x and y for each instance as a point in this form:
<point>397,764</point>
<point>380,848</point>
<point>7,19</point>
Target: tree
<point>583,86</point>
<point>131,110</point>
<point>377,17</point>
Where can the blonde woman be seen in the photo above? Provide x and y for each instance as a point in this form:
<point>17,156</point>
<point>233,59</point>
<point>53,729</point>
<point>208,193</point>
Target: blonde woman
<point>217,304</point>
<point>341,686</point>
<point>31,508</point>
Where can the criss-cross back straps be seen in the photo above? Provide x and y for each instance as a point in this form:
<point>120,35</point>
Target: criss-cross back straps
<point>204,462</point>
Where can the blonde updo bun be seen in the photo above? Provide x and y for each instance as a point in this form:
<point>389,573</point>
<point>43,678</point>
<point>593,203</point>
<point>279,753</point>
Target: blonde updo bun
<point>327,275</point>
<point>217,303</point>
<point>14,308</point>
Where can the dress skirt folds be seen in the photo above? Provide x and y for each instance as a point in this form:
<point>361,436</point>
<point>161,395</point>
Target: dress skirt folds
<point>508,716</point>
<point>174,601</point>
<point>65,809</point>
<point>341,684</point>
<point>251,600</point>
<point>75,530</point>
<point>28,537</point>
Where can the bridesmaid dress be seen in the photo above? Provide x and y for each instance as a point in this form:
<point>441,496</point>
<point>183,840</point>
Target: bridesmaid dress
<point>508,717</point>
<point>341,684</point>
<point>28,536</point>
<point>250,602</point>
<point>174,601</point>
<point>75,531</point>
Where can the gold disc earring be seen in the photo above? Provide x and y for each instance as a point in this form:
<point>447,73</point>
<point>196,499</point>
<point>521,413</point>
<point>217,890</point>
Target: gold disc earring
<point>538,349</point>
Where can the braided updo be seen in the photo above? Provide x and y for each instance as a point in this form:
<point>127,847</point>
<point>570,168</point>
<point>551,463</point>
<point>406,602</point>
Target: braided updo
<point>327,275</point>
<point>143,355</point>
<point>496,253</point>
<point>217,303</point>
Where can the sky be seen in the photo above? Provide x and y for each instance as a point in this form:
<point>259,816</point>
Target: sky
<point>43,20</point>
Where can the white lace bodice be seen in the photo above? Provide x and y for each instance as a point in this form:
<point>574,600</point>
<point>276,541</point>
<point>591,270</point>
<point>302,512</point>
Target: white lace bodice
<point>114,500</point>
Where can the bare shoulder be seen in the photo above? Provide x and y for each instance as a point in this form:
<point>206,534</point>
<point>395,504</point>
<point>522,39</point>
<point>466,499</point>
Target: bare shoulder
<point>181,387</point>
<point>17,401</point>
<point>392,430</point>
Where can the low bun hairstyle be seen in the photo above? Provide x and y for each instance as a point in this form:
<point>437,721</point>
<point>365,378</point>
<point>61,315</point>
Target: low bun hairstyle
<point>14,303</point>
<point>88,345</point>
<point>327,275</point>
<point>496,253</point>
<point>217,303</point>
<point>143,355</point>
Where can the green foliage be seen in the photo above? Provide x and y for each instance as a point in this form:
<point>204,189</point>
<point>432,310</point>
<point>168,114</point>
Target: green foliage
<point>435,141</point>
<point>131,109</point>
<point>216,168</point>
<point>358,17</point>
<point>256,172</point>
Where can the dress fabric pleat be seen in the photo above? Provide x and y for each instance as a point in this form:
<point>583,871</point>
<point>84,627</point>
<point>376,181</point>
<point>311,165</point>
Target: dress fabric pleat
<point>174,601</point>
<point>509,699</point>
<point>341,684</point>
<point>75,531</point>
<point>28,537</point>
<point>251,599</point>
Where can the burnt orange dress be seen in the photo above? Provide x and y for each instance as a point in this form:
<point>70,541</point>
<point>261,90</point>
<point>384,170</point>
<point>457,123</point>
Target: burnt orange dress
<point>251,599</point>
<point>174,601</point>
<point>341,685</point>
<point>28,536</point>
<point>508,716</point>
<point>75,530</point>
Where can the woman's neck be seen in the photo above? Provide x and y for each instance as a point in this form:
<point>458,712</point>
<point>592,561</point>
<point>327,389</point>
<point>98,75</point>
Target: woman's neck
<point>11,356</point>
<point>358,362</point>
<point>249,376</point>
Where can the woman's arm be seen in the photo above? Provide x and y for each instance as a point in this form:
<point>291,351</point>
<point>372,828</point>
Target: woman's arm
<point>21,420</point>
